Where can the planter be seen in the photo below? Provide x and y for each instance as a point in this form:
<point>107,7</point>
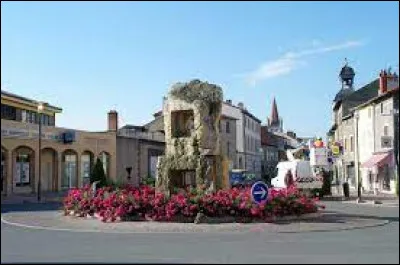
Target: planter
<point>132,218</point>
<point>181,219</point>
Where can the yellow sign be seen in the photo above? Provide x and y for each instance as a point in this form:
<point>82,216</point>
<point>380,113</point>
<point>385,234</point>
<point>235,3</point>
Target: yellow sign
<point>335,149</point>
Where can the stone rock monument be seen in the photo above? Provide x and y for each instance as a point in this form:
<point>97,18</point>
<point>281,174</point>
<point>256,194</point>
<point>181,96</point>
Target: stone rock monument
<point>192,157</point>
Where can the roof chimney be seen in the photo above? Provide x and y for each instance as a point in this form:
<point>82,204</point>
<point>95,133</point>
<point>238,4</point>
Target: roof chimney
<point>112,121</point>
<point>241,105</point>
<point>387,81</point>
<point>229,101</point>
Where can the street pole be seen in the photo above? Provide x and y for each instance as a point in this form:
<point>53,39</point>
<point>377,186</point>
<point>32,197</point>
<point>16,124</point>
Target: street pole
<point>396,147</point>
<point>356,162</point>
<point>40,109</point>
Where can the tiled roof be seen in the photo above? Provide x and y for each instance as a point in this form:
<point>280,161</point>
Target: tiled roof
<point>5,93</point>
<point>360,96</point>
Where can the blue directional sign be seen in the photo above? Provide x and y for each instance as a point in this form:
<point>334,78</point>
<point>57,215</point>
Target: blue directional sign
<point>259,192</point>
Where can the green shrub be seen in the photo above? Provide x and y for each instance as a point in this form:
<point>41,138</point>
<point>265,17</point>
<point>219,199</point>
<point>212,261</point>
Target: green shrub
<point>98,174</point>
<point>118,184</point>
<point>149,181</point>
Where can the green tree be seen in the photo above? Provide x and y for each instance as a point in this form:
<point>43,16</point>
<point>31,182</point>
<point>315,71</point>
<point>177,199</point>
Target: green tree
<point>98,174</point>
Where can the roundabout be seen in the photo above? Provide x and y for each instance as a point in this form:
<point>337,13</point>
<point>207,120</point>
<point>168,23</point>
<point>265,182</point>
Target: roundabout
<point>45,235</point>
<point>321,222</point>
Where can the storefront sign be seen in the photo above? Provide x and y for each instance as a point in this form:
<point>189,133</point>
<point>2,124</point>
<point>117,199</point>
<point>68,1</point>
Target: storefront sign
<point>27,134</point>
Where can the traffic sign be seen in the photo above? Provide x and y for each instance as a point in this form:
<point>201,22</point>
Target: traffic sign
<point>259,192</point>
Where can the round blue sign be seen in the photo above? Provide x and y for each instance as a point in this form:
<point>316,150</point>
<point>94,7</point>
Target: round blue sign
<point>259,192</point>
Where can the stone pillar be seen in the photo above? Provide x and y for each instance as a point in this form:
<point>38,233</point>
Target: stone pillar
<point>78,168</point>
<point>36,174</point>
<point>9,173</point>
<point>59,170</point>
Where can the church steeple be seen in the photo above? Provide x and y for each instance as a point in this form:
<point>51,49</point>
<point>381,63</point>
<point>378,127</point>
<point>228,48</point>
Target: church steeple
<point>274,122</point>
<point>274,118</point>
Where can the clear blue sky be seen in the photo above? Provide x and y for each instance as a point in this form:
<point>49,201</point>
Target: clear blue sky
<point>89,57</point>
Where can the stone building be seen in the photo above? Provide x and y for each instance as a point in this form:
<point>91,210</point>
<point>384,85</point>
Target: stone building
<point>376,135</point>
<point>248,137</point>
<point>227,134</point>
<point>138,149</point>
<point>274,142</point>
<point>271,145</point>
<point>342,128</point>
<point>66,155</point>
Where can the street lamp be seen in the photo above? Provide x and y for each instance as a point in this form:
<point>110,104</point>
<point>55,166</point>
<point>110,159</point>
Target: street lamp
<point>396,123</point>
<point>359,199</point>
<point>40,109</point>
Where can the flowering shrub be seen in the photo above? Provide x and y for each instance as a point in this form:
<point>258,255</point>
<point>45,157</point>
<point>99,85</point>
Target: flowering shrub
<point>144,203</point>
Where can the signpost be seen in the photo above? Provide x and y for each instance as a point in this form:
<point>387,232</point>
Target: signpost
<point>259,192</point>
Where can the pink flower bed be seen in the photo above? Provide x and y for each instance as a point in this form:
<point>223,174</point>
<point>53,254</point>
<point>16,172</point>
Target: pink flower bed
<point>143,203</point>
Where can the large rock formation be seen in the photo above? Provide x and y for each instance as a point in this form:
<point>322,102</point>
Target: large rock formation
<point>191,115</point>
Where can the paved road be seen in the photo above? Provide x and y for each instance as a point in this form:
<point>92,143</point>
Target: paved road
<point>370,245</point>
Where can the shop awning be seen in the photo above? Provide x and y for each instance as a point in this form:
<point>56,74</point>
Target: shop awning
<point>378,160</point>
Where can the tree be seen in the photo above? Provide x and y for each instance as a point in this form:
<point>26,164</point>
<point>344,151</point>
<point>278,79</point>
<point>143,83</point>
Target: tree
<point>98,174</point>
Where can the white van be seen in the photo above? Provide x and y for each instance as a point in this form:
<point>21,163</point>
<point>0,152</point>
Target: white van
<point>303,175</point>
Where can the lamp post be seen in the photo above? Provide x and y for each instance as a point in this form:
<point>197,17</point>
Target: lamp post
<point>357,170</point>
<point>396,123</point>
<point>40,108</point>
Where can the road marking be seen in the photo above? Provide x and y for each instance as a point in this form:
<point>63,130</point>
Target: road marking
<point>251,229</point>
<point>370,203</point>
<point>10,223</point>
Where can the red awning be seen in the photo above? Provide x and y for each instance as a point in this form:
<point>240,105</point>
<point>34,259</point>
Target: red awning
<point>378,160</point>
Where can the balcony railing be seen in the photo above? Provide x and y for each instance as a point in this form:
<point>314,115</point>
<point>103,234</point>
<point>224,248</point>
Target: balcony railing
<point>155,136</point>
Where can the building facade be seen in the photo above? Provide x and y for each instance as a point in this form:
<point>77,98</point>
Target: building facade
<point>270,145</point>
<point>248,137</point>
<point>67,156</point>
<point>342,128</point>
<point>137,150</point>
<point>376,131</point>
<point>227,132</point>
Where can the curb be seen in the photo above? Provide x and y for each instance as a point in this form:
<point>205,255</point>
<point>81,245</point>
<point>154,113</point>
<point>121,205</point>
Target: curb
<point>249,229</point>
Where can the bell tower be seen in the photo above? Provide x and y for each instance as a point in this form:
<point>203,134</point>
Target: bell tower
<point>347,76</point>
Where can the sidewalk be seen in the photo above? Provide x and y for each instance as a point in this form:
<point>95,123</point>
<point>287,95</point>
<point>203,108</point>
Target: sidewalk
<point>354,196</point>
<point>32,198</point>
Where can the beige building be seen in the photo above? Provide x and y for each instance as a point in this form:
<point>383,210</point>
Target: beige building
<point>137,152</point>
<point>66,155</point>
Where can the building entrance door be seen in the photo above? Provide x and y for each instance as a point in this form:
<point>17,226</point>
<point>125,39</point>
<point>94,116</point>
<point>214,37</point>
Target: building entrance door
<point>70,175</point>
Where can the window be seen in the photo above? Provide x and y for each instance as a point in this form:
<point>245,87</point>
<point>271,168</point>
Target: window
<point>51,120</point>
<point>385,130</point>
<point>28,116</point>
<point>369,112</point>
<point>46,120</point>
<point>381,108</point>
<point>228,149</point>
<point>22,173</point>
<point>8,112</point>
<point>33,117</point>
<point>351,144</point>
<point>23,116</point>
<point>228,129</point>
<point>345,144</point>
